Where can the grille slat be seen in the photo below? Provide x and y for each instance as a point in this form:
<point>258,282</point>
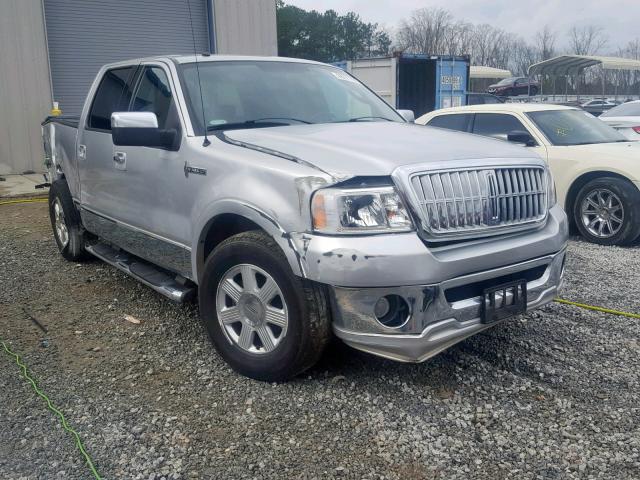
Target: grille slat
<point>473,200</point>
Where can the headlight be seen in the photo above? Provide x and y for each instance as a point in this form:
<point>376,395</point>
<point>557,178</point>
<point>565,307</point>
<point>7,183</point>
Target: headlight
<point>551,189</point>
<point>362,210</point>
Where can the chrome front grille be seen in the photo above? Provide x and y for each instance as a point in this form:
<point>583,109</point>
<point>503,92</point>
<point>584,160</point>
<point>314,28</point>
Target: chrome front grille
<point>470,201</point>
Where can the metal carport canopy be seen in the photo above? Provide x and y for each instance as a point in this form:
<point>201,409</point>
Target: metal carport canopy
<point>574,64</point>
<point>480,71</point>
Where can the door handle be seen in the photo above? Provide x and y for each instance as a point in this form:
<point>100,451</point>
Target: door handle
<point>120,160</point>
<point>82,152</point>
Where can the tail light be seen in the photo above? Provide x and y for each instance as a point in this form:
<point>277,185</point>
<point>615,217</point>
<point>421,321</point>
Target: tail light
<point>636,129</point>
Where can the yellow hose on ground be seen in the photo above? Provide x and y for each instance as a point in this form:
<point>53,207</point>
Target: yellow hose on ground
<point>597,309</point>
<point>25,200</point>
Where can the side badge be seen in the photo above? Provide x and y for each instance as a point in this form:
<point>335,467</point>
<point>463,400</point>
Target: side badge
<point>195,170</point>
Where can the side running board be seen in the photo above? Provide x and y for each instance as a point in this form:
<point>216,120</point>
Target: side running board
<point>162,281</point>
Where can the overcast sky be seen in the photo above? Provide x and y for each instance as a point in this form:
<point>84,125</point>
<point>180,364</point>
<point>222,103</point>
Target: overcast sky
<point>620,18</point>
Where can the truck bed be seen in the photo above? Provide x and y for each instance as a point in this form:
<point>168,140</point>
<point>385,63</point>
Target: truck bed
<point>69,120</point>
<point>59,136</point>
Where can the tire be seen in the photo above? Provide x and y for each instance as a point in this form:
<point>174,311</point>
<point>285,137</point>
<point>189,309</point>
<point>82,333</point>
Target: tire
<point>534,91</point>
<point>71,243</point>
<point>289,349</point>
<point>607,211</point>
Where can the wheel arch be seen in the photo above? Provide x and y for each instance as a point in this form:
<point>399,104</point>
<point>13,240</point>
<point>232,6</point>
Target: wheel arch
<point>231,218</point>
<point>580,182</point>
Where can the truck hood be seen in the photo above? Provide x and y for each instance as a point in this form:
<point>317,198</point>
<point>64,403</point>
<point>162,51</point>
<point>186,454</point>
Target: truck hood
<point>375,148</point>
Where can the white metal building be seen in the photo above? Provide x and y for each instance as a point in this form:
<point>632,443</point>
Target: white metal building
<point>50,50</point>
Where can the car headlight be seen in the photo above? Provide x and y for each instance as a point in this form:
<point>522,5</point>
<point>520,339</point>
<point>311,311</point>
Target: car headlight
<point>551,189</point>
<point>361,210</point>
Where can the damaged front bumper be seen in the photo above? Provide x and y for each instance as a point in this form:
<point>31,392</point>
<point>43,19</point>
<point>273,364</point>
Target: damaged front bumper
<point>441,315</point>
<point>442,285</point>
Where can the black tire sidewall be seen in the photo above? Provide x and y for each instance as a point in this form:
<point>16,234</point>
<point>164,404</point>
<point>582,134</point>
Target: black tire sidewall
<point>630,197</point>
<point>282,362</point>
<point>74,250</point>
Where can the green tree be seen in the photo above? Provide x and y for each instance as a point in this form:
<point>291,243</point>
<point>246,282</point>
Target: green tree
<point>327,36</point>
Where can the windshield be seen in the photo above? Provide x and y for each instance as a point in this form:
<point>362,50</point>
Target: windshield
<point>574,127</point>
<point>254,94</point>
<point>631,109</point>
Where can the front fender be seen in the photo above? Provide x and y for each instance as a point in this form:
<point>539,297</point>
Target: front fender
<point>266,221</point>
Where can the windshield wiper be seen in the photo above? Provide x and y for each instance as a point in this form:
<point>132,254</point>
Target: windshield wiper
<point>358,119</point>
<point>258,122</point>
<point>600,143</point>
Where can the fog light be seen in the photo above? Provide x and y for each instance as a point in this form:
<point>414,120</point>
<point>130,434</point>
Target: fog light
<point>382,307</point>
<point>392,311</point>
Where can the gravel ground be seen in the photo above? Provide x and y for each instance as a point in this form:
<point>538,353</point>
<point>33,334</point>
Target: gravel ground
<point>552,395</point>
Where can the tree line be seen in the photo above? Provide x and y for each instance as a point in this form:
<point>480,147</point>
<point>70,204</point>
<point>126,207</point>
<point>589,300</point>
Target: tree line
<point>329,37</point>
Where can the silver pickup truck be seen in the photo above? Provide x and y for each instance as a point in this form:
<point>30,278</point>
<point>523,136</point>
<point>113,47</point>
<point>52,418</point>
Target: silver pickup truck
<point>297,204</point>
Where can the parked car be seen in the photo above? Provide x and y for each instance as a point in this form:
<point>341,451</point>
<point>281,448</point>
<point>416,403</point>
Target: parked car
<point>597,170</point>
<point>514,86</point>
<point>597,107</point>
<point>295,202</point>
<point>483,99</point>
<point>625,118</point>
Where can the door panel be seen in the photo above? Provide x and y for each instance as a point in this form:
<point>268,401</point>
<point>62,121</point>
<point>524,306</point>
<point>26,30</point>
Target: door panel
<point>100,188</point>
<point>150,180</point>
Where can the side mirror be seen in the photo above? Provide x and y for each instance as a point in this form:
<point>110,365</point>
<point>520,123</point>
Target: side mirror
<point>519,136</point>
<point>140,129</point>
<point>408,115</point>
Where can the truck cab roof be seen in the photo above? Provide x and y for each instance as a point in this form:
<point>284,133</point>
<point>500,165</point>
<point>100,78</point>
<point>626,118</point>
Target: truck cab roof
<point>206,58</point>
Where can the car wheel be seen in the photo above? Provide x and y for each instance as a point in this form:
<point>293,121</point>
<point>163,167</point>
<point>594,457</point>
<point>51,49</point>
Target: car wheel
<point>66,223</point>
<point>534,91</point>
<point>607,211</point>
<point>266,322</point>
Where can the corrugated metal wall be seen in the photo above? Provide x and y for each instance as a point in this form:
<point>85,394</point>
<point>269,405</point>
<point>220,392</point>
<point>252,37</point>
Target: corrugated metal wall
<point>83,35</point>
<point>25,93</point>
<point>246,27</point>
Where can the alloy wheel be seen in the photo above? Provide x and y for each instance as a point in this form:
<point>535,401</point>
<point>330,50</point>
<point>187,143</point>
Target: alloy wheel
<point>251,309</point>
<point>62,232</point>
<point>602,213</point>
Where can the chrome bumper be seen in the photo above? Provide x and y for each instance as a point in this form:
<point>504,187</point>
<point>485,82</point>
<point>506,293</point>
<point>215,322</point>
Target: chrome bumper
<point>435,323</point>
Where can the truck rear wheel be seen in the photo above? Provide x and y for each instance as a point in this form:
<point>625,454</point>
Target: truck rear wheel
<point>267,323</point>
<point>65,222</point>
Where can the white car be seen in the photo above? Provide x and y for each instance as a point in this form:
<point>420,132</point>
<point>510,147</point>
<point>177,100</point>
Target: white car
<point>596,107</point>
<point>625,118</point>
<point>597,169</point>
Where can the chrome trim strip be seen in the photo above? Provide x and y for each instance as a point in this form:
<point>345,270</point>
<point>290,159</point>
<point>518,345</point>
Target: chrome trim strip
<point>153,248</point>
<point>138,229</point>
<point>498,272</point>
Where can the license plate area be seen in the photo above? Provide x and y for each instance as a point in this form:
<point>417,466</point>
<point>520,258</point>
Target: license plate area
<point>504,301</point>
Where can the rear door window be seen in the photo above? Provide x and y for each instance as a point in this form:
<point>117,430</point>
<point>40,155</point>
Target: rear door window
<point>459,122</point>
<point>496,125</point>
<point>113,95</point>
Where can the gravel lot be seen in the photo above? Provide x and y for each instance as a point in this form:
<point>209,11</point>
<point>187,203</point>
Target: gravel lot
<point>553,395</point>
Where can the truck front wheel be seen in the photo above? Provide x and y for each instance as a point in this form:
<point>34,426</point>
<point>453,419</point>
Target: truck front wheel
<point>267,323</point>
<point>65,222</point>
